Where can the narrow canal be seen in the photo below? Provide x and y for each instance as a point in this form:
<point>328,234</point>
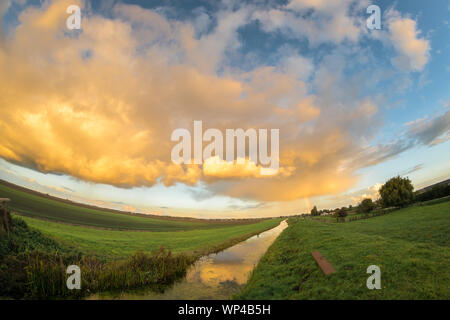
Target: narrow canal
<point>215,276</point>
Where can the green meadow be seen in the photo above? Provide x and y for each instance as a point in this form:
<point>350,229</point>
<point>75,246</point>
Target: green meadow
<point>118,235</point>
<point>116,251</point>
<point>117,244</point>
<point>411,246</point>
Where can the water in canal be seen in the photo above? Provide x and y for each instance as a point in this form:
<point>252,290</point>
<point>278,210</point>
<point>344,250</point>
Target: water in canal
<point>216,276</point>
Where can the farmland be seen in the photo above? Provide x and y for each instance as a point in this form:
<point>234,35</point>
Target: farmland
<point>116,235</point>
<point>37,206</point>
<point>113,243</point>
<point>117,251</point>
<point>411,246</point>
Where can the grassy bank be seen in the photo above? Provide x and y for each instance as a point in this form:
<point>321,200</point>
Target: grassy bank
<point>411,247</point>
<point>115,251</point>
<point>42,275</point>
<point>120,244</point>
<point>33,266</point>
<point>33,263</point>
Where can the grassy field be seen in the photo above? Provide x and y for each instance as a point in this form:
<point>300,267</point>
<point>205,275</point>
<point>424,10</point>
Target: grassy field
<point>411,247</point>
<point>33,266</point>
<point>114,243</point>
<point>41,207</point>
<point>116,251</point>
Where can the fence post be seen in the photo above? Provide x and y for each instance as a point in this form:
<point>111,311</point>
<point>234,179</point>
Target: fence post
<point>4,213</point>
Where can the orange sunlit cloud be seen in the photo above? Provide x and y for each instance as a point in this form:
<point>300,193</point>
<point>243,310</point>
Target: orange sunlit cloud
<point>99,108</point>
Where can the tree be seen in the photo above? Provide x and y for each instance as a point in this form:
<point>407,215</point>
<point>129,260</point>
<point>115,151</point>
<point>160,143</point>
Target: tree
<point>314,211</point>
<point>340,214</point>
<point>397,191</point>
<point>366,206</point>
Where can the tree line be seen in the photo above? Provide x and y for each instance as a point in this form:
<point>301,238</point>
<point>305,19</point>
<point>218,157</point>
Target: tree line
<point>396,192</point>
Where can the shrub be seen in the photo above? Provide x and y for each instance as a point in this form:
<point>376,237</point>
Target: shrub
<point>340,214</point>
<point>397,192</point>
<point>314,211</point>
<point>42,275</point>
<point>366,206</point>
<point>13,276</point>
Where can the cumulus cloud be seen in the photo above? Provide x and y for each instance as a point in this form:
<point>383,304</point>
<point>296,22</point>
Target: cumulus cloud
<point>292,62</point>
<point>4,6</point>
<point>316,20</point>
<point>101,105</point>
<point>215,167</point>
<point>413,50</point>
<point>371,192</point>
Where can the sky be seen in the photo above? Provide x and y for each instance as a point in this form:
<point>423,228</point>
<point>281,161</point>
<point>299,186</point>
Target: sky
<point>88,114</point>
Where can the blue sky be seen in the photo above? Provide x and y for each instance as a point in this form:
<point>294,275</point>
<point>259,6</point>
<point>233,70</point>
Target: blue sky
<point>354,106</point>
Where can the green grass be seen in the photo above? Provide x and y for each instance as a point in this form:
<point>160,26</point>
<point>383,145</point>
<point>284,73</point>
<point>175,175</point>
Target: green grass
<point>34,255</point>
<point>41,207</point>
<point>22,239</point>
<point>33,266</point>
<point>411,247</point>
<point>114,243</point>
